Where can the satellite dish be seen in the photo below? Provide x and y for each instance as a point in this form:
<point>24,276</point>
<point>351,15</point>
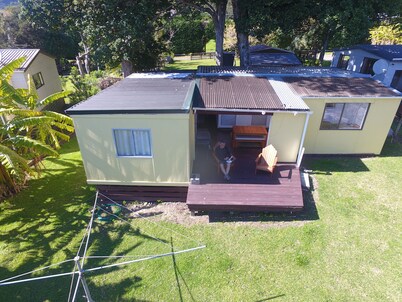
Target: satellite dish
<point>380,66</point>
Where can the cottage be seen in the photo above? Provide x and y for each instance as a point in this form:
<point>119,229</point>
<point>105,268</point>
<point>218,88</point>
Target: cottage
<point>40,66</point>
<point>384,62</point>
<point>153,133</point>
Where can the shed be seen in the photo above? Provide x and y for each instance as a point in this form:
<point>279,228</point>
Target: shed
<point>363,58</point>
<point>138,131</point>
<point>39,65</point>
<point>263,55</point>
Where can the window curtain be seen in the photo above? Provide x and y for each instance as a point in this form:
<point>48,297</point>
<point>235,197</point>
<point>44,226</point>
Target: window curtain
<point>131,142</point>
<point>142,142</point>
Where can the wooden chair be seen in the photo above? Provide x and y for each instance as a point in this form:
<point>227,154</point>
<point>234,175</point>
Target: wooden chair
<point>266,160</point>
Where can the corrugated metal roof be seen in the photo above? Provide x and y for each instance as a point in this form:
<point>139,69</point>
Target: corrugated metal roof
<point>241,93</point>
<point>139,95</point>
<point>9,55</point>
<point>339,87</point>
<point>289,99</point>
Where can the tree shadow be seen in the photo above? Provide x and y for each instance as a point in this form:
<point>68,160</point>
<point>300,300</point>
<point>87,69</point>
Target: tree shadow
<point>392,148</point>
<point>326,164</point>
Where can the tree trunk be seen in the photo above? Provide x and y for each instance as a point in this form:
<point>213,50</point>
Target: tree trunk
<point>79,65</point>
<point>243,48</point>
<point>240,15</point>
<point>324,47</point>
<point>127,68</point>
<point>219,26</point>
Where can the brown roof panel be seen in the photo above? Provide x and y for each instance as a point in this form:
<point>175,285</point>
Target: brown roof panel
<point>238,93</point>
<point>338,87</point>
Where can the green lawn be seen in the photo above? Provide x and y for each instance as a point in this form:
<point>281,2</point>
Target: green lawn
<point>189,64</point>
<point>346,248</point>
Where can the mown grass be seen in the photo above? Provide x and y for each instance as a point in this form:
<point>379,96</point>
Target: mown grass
<point>350,253</point>
<point>188,64</point>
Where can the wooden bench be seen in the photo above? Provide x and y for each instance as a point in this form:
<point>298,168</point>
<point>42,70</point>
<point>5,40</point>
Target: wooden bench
<point>249,134</point>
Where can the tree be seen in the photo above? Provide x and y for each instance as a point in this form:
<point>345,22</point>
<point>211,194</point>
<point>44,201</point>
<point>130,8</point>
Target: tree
<point>187,32</point>
<point>21,28</point>
<point>386,34</point>
<point>26,134</point>
<point>123,31</point>
<point>348,22</point>
<point>217,10</point>
<point>240,16</point>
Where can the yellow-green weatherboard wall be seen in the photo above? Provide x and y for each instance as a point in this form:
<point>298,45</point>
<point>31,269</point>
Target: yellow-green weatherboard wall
<point>285,133</point>
<point>369,140</point>
<point>169,164</point>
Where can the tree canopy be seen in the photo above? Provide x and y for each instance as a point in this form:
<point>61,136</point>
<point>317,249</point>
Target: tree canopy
<point>136,32</point>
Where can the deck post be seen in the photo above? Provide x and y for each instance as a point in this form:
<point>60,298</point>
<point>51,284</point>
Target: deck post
<point>301,151</point>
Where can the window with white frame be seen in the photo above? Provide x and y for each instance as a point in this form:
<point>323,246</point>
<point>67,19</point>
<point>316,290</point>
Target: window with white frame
<point>37,78</point>
<point>133,142</point>
<point>343,61</point>
<point>344,116</point>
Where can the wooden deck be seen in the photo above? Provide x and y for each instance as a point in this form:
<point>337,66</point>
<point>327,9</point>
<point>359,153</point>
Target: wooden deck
<point>246,191</point>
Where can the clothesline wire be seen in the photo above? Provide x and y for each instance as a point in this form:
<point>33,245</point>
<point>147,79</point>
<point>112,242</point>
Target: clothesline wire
<point>34,271</point>
<point>146,218</point>
<point>83,257</point>
<point>124,220</point>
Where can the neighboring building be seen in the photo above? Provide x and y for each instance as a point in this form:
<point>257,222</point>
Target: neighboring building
<point>142,130</point>
<point>383,62</point>
<point>40,66</point>
<point>266,56</point>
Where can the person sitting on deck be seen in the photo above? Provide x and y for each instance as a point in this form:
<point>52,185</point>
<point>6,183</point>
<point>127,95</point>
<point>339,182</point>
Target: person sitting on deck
<point>224,156</point>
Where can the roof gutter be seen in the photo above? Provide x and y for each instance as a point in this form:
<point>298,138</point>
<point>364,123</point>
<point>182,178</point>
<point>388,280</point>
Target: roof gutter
<point>261,111</point>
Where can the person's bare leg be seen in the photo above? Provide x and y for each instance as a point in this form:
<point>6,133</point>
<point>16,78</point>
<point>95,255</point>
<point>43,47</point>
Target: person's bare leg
<point>222,166</point>
<point>227,169</point>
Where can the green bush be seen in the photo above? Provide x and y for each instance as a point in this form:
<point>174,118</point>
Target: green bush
<point>83,87</point>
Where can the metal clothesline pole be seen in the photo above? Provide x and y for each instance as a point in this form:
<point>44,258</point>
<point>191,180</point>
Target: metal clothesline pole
<point>83,281</point>
<point>81,270</point>
<point>87,234</point>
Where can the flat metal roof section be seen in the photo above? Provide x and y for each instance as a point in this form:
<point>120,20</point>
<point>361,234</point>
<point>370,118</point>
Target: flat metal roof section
<point>237,93</point>
<point>140,95</point>
<point>297,71</point>
<point>161,75</point>
<point>289,99</point>
<point>388,52</point>
<point>8,55</point>
<point>339,87</point>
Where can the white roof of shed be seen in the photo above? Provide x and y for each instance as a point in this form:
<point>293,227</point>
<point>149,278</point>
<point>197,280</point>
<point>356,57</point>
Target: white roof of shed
<point>9,55</point>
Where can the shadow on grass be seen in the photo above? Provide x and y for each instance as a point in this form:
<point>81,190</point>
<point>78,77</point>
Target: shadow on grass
<point>271,298</point>
<point>44,224</point>
<point>326,164</point>
<point>393,149</point>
